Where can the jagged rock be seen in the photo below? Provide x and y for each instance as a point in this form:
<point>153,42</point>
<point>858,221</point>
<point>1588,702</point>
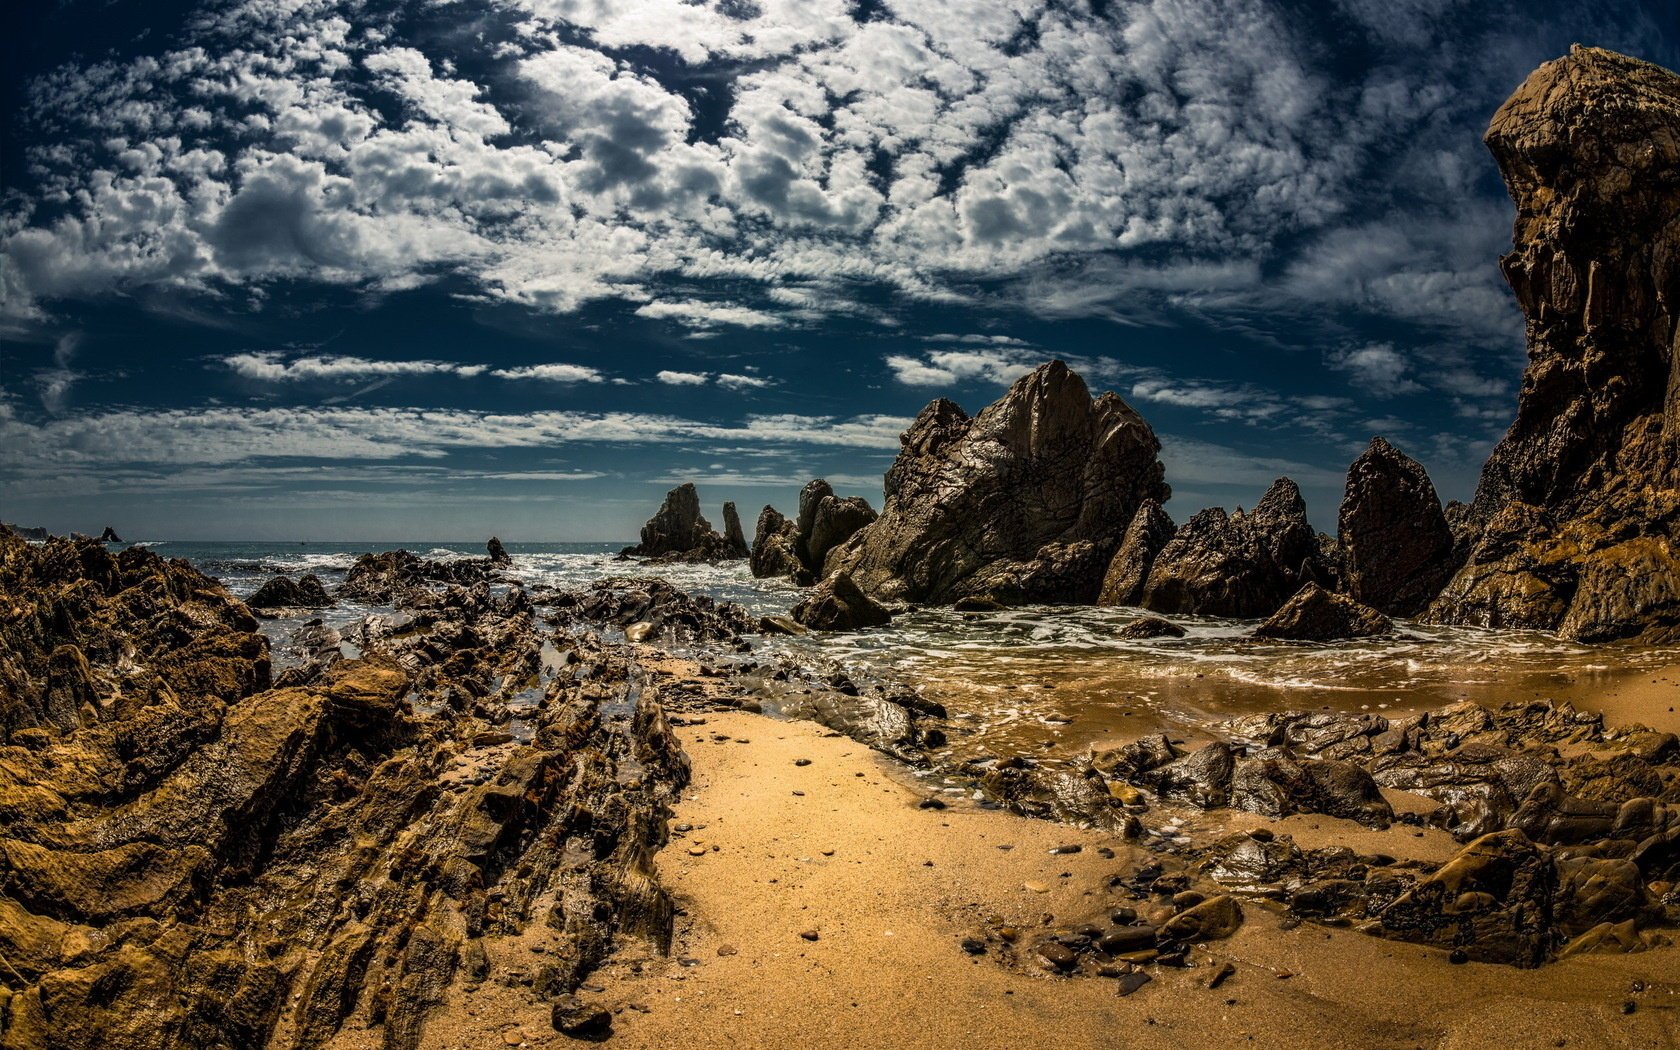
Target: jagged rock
<point>1201,778</point>
<point>1493,901</point>
<point>679,532</point>
<point>1277,784</point>
<point>25,532</point>
<point>1145,627</point>
<point>401,578</point>
<point>1317,615</point>
<point>109,536</point>
<point>624,602</point>
<point>1397,549</point>
<point>1026,502</point>
<point>283,592</point>
<point>1243,565</point>
<point>734,540</point>
<point>775,549</point>
<point>1576,517</point>
<point>837,604</point>
<point>498,553</point>
<point>833,521</point>
<point>1129,760</point>
<point>1151,530</point>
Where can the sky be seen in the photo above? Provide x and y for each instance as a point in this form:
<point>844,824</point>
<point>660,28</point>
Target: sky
<point>309,269</point>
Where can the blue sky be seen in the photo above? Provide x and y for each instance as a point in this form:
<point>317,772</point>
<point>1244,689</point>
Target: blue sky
<point>313,269</point>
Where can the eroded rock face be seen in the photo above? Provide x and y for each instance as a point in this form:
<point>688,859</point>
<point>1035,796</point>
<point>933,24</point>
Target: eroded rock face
<point>1150,531</point>
<point>734,540</point>
<point>1576,518</point>
<point>837,604</point>
<point>1397,550</point>
<point>679,532</point>
<point>1243,565</point>
<point>798,550</point>
<point>1026,502</point>
<point>775,549</point>
<point>196,859</point>
<point>1317,615</point>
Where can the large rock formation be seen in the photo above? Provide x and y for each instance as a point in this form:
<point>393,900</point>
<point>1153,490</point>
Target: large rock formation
<point>679,532</point>
<point>1578,510</point>
<point>798,550</point>
<point>190,858</point>
<point>1241,564</point>
<point>1397,550</point>
<point>1025,502</point>
<point>734,540</point>
<point>1150,531</point>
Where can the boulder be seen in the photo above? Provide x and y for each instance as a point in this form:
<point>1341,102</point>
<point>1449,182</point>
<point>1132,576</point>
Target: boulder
<point>498,553</point>
<point>1575,521</point>
<point>1149,627</point>
<point>1397,550</point>
<point>1493,901</point>
<point>734,540</point>
<point>775,549</point>
<point>283,592</point>
<point>1150,530</point>
<point>1276,784</point>
<point>1244,565</point>
<point>837,604</point>
<point>1026,502</point>
<point>1201,778</point>
<point>678,531</point>
<point>1318,615</point>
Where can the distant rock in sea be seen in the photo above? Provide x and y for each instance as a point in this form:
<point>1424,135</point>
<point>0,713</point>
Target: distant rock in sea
<point>110,536</point>
<point>284,592</point>
<point>679,532</point>
<point>1025,502</point>
<point>498,553</point>
<point>27,532</point>
<point>1576,520</point>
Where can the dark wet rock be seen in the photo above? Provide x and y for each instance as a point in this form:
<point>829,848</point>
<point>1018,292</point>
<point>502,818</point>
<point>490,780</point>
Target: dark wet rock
<point>1276,784</point>
<point>1397,550</point>
<point>786,625</point>
<point>1317,615</point>
<point>1025,502</point>
<point>837,604</point>
<point>24,532</point>
<point>572,1017</point>
<point>1070,796</point>
<point>1240,564</point>
<point>679,532</point>
<point>1201,778</point>
<point>1129,760</point>
<point>1479,785</point>
<point>978,603</point>
<point>734,540</point>
<point>401,578</point>
<point>1577,515</point>
<point>775,550</point>
<point>498,553</point>
<point>284,592</point>
<point>1149,627</point>
<point>826,521</point>
<point>1150,531</point>
<point>1493,901</point>
<point>1247,862</point>
<point>1212,920</point>
<point>627,601</point>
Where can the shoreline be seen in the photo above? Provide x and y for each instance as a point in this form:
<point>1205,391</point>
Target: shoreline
<point>889,927</point>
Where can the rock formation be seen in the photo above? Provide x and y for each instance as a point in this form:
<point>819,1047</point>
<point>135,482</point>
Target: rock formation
<point>399,577</point>
<point>1244,565</point>
<point>499,556</point>
<point>679,532</point>
<point>283,592</point>
<point>798,550</point>
<point>734,540</point>
<point>1151,530</point>
<point>1397,549</point>
<point>26,532</point>
<point>189,857</point>
<point>1317,615</point>
<point>837,604</point>
<point>1576,517</point>
<point>109,536</point>
<point>1025,502</point>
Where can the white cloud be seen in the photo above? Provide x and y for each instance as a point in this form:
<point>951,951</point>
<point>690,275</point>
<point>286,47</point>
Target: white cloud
<point>552,373</point>
<point>275,367</point>
<point>731,381</point>
<point>1377,369</point>
<point>670,378</point>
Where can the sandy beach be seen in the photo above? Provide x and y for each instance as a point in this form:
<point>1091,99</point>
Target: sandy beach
<point>841,848</point>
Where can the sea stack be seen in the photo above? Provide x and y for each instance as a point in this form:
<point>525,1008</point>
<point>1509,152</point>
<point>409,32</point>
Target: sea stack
<point>1026,502</point>
<point>1576,514</point>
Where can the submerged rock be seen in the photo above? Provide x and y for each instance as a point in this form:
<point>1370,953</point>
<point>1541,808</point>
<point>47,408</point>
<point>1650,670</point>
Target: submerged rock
<point>837,604</point>
<point>1577,515</point>
<point>1317,615</point>
<point>1025,502</point>
<point>1397,550</point>
<point>1243,565</point>
<point>284,592</point>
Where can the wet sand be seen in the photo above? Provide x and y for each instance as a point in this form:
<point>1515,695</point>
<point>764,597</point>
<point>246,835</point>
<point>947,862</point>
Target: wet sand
<point>839,848</point>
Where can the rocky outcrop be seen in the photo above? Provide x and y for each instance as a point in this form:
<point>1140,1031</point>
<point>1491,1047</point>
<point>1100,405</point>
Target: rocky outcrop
<point>1026,502</point>
<point>1317,615</point>
<point>1244,565</point>
<point>24,532</point>
<point>775,549</point>
<point>1577,515</point>
<point>837,604</point>
<point>189,857</point>
<point>401,577</point>
<point>498,554</point>
<point>1150,531</point>
<point>284,592</point>
<point>798,550</point>
<point>1396,546</point>
<point>734,540</point>
<point>110,536</point>
<point>679,532</point>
